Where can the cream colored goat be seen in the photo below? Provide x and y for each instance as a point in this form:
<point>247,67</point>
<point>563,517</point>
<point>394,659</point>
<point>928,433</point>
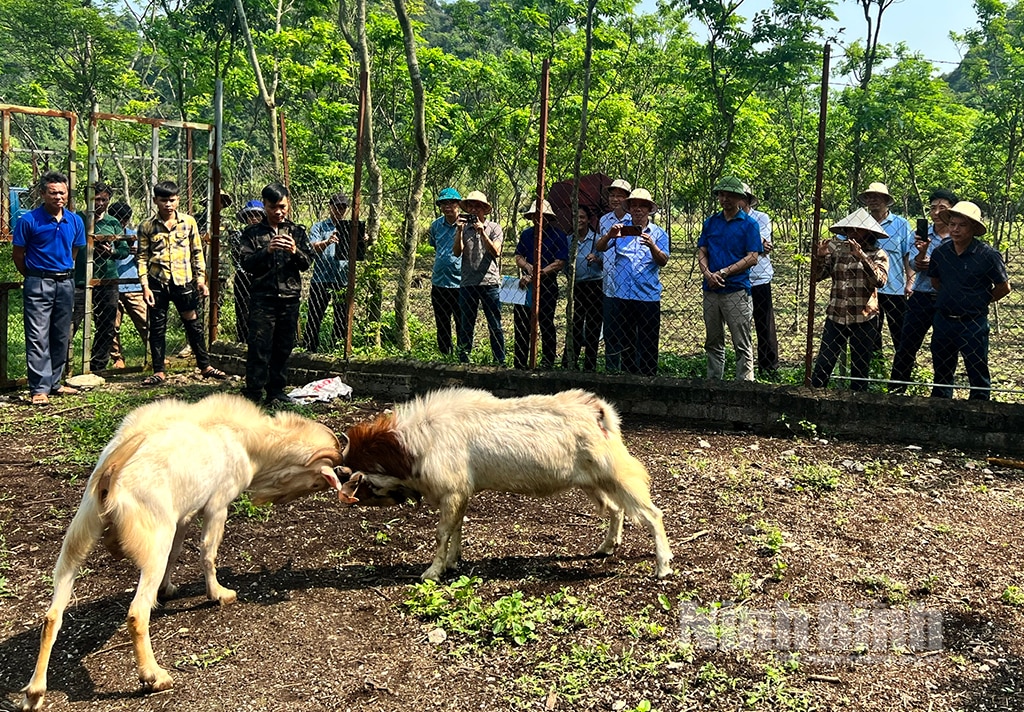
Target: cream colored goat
<point>453,443</point>
<point>168,462</point>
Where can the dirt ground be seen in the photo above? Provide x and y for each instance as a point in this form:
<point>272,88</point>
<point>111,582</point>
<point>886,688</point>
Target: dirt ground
<point>890,576</point>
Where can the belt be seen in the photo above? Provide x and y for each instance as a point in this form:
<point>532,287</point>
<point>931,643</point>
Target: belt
<point>57,276</point>
<point>963,317</point>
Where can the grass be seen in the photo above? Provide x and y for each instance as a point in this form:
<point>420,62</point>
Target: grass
<point>1013,596</point>
<point>206,659</point>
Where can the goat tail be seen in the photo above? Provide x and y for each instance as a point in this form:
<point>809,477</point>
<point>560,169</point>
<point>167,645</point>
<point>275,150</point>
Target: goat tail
<point>608,418</point>
<point>102,491</point>
<point>632,483</point>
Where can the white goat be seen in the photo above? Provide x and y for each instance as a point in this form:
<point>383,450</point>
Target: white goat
<point>453,443</point>
<point>168,462</point>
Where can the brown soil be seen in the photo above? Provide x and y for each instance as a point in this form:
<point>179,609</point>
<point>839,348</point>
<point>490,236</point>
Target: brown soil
<point>879,532</point>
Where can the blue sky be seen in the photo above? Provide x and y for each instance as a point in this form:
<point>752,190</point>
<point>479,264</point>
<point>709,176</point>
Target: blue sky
<point>923,24</point>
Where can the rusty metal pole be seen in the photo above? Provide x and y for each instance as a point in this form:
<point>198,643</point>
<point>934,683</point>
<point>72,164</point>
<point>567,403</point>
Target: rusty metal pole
<point>90,237</point>
<point>284,148</point>
<point>538,236</point>
<point>819,179</point>
<point>6,228</point>
<point>214,181</point>
<point>353,236</point>
<point>189,192</point>
<point>72,167</point>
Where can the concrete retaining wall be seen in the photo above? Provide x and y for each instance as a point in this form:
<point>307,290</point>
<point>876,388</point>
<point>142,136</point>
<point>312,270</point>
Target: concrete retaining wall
<point>996,428</point>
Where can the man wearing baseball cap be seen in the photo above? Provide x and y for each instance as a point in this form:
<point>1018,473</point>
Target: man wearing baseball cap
<point>447,273</point>
<point>968,275</point>
<point>727,248</point>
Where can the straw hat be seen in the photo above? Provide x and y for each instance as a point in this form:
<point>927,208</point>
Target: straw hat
<point>730,184</point>
<point>973,213</point>
<point>619,184</point>
<point>861,219</point>
<point>643,196</point>
<point>532,210</point>
<point>751,198</point>
<point>877,188</point>
<point>475,196</point>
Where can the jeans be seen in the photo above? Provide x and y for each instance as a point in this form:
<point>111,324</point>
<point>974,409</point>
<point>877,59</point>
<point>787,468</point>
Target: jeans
<point>732,309</point>
<point>834,337</point>
<point>470,300</point>
<point>47,308</point>
<point>445,302</point>
<point>273,322</point>
<point>184,300</point>
<point>619,353</point>
<point>953,337</point>
<point>916,323</point>
<point>242,288</point>
<point>764,327</point>
<point>587,319</point>
<point>522,317</point>
<point>321,294</point>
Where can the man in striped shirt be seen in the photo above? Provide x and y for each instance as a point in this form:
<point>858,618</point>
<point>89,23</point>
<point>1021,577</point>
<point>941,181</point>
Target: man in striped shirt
<point>172,269</point>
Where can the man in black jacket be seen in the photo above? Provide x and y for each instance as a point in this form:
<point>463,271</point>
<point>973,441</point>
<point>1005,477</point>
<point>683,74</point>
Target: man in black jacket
<point>274,252</point>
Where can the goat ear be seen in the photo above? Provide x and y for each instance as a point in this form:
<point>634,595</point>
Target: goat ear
<point>327,453</point>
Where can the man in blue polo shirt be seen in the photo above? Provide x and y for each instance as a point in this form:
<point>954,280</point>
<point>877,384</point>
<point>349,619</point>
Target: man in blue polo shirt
<point>968,275</point>
<point>46,241</point>
<point>728,247</point>
<point>447,273</point>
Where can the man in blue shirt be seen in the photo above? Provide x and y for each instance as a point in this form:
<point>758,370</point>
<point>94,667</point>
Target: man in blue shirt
<point>130,299</point>
<point>892,296</point>
<point>921,303</point>
<point>728,247</point>
<point>45,244</point>
<point>968,276</point>
<point>554,252</point>
<point>446,276</point>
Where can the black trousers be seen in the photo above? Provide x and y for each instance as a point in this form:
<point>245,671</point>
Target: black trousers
<point>104,315</point>
<point>764,327</point>
<point>184,299</point>
<point>893,308</point>
<point>587,318</point>
<point>272,325</point>
<point>445,301</point>
<point>545,325</point>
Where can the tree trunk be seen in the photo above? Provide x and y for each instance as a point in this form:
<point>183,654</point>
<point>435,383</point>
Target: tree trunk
<point>266,95</point>
<point>410,228</point>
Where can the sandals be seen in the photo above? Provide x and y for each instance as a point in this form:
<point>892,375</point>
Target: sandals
<point>40,399</point>
<point>212,372</point>
<point>65,391</point>
<point>154,380</point>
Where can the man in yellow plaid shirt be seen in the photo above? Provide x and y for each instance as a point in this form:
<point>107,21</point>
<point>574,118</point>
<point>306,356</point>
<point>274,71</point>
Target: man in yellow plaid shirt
<point>172,270</point>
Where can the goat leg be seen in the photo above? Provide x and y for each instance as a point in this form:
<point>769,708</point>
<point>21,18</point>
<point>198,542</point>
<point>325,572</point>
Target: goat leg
<point>213,532</point>
<point>453,509</point>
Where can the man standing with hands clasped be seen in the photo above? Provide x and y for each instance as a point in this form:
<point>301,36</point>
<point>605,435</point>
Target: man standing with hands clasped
<point>727,248</point>
<point>274,252</point>
<point>968,276</point>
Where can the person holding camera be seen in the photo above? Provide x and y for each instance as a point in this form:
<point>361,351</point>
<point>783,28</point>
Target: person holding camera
<point>329,239</point>
<point>554,252</point>
<point>858,268</point>
<point>921,303</point>
<point>729,244</point>
<point>478,242</point>
<point>639,251</point>
<point>274,252</point>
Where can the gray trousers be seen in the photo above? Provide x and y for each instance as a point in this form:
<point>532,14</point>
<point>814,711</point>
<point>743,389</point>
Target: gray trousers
<point>48,305</point>
<point>732,309</point>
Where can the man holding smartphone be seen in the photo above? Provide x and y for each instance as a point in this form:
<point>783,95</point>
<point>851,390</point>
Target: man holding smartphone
<point>478,242</point>
<point>274,252</point>
<point>329,239</point>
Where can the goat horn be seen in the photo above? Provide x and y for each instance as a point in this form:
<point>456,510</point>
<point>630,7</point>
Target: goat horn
<point>344,450</point>
<point>328,453</point>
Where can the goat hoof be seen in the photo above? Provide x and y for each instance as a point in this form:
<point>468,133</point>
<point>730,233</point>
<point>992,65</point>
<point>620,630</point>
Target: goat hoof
<point>664,572</point>
<point>157,681</point>
<point>227,597</point>
<point>32,701</point>
<point>431,575</point>
<point>167,592</point>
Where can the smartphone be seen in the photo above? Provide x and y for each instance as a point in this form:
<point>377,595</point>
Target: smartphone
<point>922,228</point>
<point>631,231</point>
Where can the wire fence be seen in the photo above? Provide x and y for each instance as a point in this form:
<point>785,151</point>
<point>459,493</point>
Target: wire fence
<point>622,310</point>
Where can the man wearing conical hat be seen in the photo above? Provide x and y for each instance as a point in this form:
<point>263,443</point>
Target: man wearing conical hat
<point>968,275</point>
<point>554,252</point>
<point>858,267</point>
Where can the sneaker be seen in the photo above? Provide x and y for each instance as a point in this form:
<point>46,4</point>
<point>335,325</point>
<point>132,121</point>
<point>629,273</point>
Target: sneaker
<point>185,352</point>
